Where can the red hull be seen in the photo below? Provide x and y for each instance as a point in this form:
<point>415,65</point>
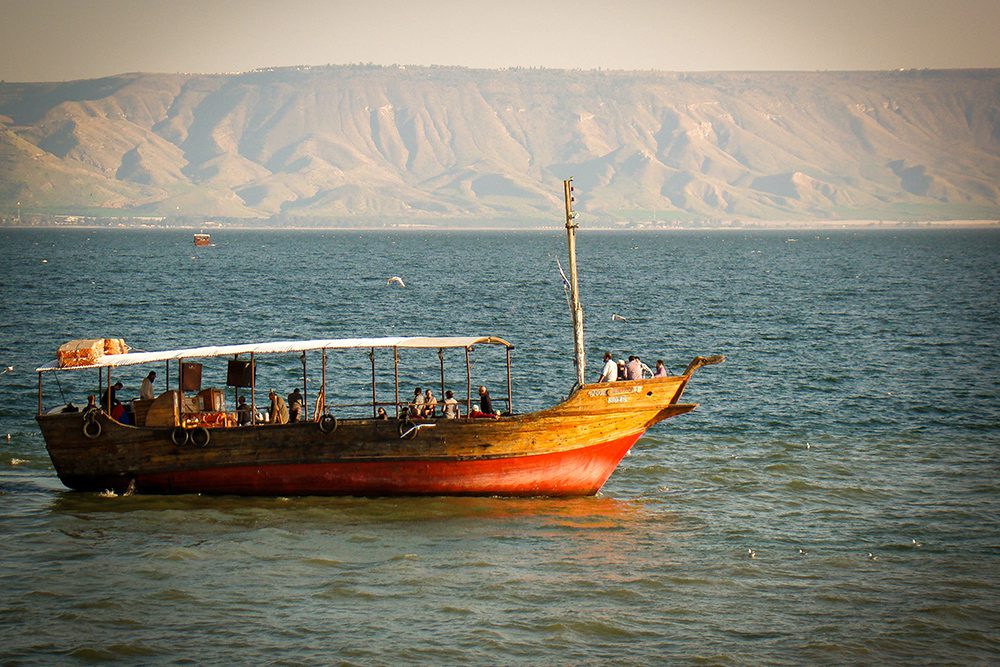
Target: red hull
<point>571,473</point>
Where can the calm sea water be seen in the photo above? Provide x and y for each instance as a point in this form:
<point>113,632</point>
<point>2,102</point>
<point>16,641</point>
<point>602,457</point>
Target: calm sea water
<point>858,413</point>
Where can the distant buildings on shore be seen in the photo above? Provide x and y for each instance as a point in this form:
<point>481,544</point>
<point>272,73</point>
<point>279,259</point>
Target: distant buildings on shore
<point>28,220</point>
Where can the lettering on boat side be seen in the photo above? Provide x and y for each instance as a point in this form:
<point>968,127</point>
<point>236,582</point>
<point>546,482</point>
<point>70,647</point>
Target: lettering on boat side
<point>593,393</point>
<point>617,399</point>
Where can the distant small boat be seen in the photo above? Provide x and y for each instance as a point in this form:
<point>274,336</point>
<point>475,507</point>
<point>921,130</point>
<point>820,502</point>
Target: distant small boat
<point>203,239</point>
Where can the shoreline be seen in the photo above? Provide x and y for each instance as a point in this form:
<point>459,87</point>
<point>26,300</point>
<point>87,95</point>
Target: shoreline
<point>744,226</point>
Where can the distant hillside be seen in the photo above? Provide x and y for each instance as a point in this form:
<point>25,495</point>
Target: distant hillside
<point>391,143</point>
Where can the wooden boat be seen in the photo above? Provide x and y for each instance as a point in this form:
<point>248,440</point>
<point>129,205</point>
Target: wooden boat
<point>203,239</point>
<point>187,441</point>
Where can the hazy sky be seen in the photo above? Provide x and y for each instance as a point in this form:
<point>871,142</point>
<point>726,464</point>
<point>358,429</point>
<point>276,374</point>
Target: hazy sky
<point>42,40</point>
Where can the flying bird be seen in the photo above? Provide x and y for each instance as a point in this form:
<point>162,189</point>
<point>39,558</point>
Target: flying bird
<point>397,280</point>
<point>7,370</point>
<point>615,317</point>
<point>872,556</point>
<point>751,553</point>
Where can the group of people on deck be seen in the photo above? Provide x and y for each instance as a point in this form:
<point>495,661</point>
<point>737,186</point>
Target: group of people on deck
<point>424,405</point>
<point>633,369</point>
<point>279,411</point>
<point>119,410</point>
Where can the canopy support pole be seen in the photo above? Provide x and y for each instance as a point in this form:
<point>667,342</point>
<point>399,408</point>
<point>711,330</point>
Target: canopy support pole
<point>304,411</point>
<point>253,390</point>
<point>395,362</point>
<point>371,355</point>
<point>441,359</point>
<point>468,382</point>
<point>323,387</point>
<point>510,389</point>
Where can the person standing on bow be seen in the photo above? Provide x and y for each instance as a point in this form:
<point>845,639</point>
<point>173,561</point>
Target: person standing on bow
<point>633,369</point>
<point>485,402</point>
<point>610,371</point>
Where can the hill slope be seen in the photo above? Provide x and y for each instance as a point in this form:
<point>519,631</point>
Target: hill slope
<point>361,142</point>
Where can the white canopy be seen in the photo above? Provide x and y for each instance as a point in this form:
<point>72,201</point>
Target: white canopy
<point>277,347</point>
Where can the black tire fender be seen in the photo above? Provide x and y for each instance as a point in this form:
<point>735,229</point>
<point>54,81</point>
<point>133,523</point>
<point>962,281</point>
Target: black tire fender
<point>91,427</point>
<point>179,436</point>
<point>407,429</point>
<point>328,423</point>
<point>200,436</point>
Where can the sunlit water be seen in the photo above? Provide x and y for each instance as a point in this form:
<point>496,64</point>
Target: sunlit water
<point>857,414</point>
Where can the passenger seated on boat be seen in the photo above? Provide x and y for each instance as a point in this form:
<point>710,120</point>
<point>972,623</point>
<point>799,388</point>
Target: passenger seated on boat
<point>294,405</point>
<point>91,404</point>
<point>278,409</point>
<point>450,409</point>
<point>69,407</point>
<point>485,402</point>
<point>243,412</point>
<point>417,404</point>
<point>430,405</point>
<point>381,414</point>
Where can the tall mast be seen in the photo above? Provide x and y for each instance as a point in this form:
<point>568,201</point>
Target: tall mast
<point>580,355</point>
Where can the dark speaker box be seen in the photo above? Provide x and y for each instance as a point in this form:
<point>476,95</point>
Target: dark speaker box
<point>239,374</point>
<point>190,376</point>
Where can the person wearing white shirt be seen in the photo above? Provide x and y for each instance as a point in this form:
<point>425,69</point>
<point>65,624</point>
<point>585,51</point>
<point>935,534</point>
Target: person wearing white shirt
<point>146,388</point>
<point>610,371</point>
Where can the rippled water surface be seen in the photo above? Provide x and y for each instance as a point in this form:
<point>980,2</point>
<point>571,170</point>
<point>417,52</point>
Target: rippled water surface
<point>850,441</point>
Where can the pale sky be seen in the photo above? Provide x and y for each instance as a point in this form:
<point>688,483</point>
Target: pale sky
<point>56,40</point>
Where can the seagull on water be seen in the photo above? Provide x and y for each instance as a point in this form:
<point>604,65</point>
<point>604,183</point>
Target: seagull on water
<point>916,544</point>
<point>397,280</point>
<point>615,317</point>
<point>872,556</point>
<point>751,553</point>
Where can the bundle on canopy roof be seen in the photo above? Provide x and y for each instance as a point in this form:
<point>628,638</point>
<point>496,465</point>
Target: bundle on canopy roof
<point>278,347</point>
